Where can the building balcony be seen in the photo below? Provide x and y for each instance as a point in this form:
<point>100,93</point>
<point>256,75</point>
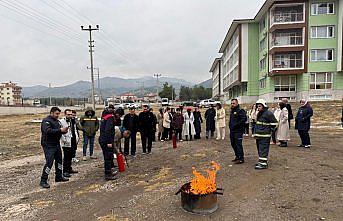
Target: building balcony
<point>287,38</point>
<point>287,61</point>
<point>287,14</point>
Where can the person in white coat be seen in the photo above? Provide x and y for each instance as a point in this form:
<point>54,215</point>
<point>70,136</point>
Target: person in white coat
<point>188,126</point>
<point>220,122</point>
<point>166,125</point>
<point>66,142</point>
<point>276,111</point>
<point>283,134</point>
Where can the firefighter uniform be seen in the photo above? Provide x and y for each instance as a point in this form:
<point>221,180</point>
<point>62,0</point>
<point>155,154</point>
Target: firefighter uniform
<point>265,123</point>
<point>50,141</point>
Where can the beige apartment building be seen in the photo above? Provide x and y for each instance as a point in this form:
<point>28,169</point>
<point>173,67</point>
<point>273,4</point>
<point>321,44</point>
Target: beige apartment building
<point>10,94</point>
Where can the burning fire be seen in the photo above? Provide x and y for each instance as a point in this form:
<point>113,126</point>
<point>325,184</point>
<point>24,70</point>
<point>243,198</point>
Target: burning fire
<point>204,185</point>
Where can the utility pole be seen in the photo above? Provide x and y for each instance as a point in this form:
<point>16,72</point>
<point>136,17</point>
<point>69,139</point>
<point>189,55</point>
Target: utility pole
<point>142,87</point>
<point>98,87</point>
<point>91,46</point>
<point>50,103</point>
<point>157,84</point>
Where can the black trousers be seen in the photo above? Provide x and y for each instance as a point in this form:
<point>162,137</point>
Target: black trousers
<point>52,153</point>
<point>108,158</point>
<point>73,147</point>
<point>178,134</point>
<point>132,138</point>
<point>236,140</point>
<point>246,128</point>
<point>166,133</point>
<point>274,136</point>
<point>305,137</point>
<point>263,148</point>
<point>171,133</point>
<point>67,157</point>
<point>146,137</point>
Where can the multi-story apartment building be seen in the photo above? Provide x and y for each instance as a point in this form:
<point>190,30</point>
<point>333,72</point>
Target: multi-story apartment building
<point>216,69</point>
<point>10,94</point>
<point>290,49</point>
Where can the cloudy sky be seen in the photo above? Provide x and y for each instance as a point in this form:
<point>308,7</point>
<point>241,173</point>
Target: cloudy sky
<point>41,40</point>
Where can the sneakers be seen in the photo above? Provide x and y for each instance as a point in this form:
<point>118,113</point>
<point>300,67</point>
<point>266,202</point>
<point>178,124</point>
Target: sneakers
<point>300,145</point>
<point>307,146</point>
<point>66,174</point>
<point>61,180</point>
<point>181,140</point>
<point>84,158</point>
<point>93,157</point>
<point>261,166</point>
<point>44,184</point>
<point>75,160</point>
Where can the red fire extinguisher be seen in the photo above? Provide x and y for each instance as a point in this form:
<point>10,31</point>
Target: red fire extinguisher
<point>174,141</point>
<point>121,162</point>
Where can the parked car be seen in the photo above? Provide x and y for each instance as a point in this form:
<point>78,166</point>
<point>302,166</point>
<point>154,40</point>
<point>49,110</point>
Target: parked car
<point>119,105</point>
<point>165,102</point>
<point>206,103</point>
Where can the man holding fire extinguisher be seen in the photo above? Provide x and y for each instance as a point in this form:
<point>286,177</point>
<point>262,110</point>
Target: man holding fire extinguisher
<point>108,134</point>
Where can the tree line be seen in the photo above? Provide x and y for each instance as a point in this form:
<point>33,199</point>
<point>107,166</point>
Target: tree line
<point>186,93</point>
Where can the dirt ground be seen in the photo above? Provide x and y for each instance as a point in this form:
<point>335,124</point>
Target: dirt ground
<point>301,184</point>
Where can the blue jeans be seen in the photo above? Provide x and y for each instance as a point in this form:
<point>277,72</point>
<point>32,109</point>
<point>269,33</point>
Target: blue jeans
<point>85,144</point>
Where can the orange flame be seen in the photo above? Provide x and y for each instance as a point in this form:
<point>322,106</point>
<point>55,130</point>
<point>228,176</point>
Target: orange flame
<point>204,185</point>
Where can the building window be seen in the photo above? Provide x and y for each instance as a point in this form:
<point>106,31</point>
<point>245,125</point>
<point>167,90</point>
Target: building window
<point>323,32</point>
<point>322,55</point>
<point>263,64</point>
<point>285,83</point>
<point>262,24</point>
<point>263,44</point>
<point>319,81</point>
<point>287,60</point>
<point>323,9</point>
<point>263,83</point>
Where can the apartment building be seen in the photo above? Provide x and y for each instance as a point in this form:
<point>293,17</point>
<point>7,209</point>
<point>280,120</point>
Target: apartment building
<point>10,94</point>
<point>216,69</point>
<point>290,49</point>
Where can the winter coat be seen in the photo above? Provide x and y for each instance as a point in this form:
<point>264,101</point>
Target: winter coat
<point>178,121</point>
<point>189,121</point>
<point>89,124</point>
<point>210,114</point>
<point>131,122</point>
<point>51,132</point>
<point>238,117</point>
<point>303,118</point>
<point>65,140</point>
<point>166,120</point>
<point>265,123</point>
<point>197,122</point>
<point>283,129</point>
<point>107,129</point>
<point>160,122</point>
<point>220,118</point>
<point>277,113</point>
<point>146,122</point>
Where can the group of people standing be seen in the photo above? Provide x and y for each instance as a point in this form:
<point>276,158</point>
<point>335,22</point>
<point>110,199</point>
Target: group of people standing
<point>268,127</point>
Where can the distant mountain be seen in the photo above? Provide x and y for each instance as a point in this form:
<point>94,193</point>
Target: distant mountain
<point>206,84</point>
<point>31,91</point>
<point>109,86</point>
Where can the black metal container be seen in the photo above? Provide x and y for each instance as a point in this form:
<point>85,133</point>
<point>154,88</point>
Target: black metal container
<point>199,204</point>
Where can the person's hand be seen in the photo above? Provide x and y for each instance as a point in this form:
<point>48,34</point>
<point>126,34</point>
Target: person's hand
<point>64,129</point>
<point>109,145</point>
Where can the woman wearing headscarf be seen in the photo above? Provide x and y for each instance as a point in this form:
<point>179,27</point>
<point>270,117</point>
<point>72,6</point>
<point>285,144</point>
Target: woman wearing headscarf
<point>188,126</point>
<point>283,135</point>
<point>303,123</point>
<point>197,123</point>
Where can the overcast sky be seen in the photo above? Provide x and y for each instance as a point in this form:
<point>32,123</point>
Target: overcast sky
<point>176,38</point>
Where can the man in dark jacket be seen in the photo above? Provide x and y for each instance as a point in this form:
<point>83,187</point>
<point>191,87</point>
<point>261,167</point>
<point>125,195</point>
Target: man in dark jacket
<point>146,128</point>
<point>154,128</point>
<point>290,112</point>
<point>50,140</point>
<point>265,123</point>
<point>130,123</point>
<point>106,140</point>
<point>238,118</point>
<point>197,123</point>
<point>177,123</point>
<point>89,124</point>
<point>303,123</point>
<point>210,115</point>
